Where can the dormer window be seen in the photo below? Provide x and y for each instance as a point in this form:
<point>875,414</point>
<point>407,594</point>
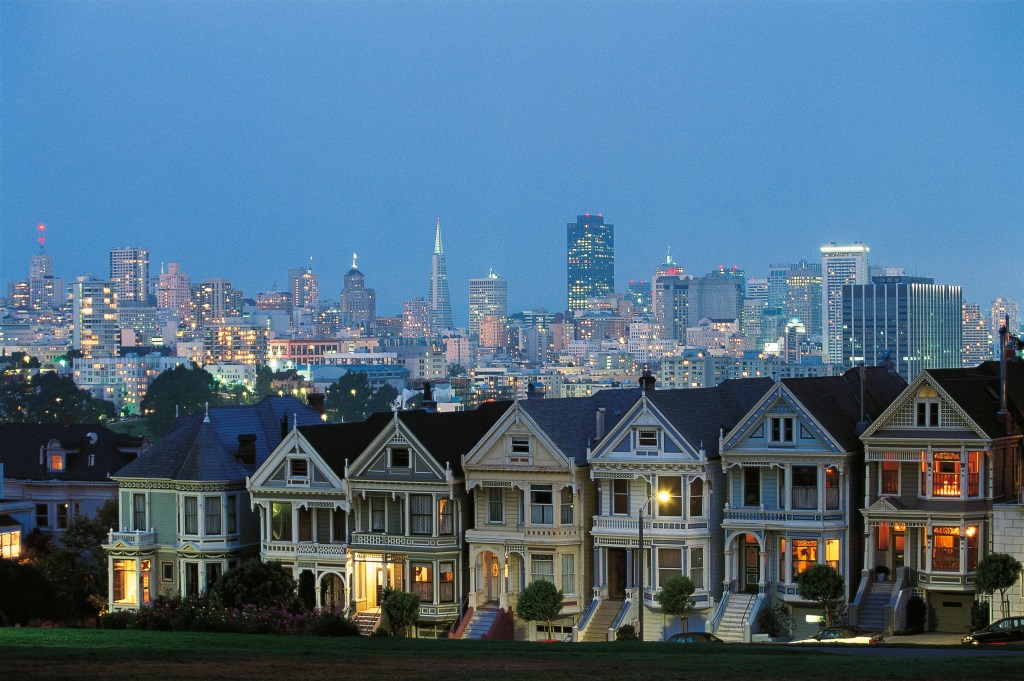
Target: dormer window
<point>399,458</point>
<point>927,406</point>
<point>647,439</point>
<point>520,452</point>
<point>781,430</point>
<point>56,462</point>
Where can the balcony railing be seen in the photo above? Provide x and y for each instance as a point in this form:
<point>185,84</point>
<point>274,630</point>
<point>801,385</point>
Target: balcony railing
<point>379,539</point>
<point>629,525</point>
<point>136,539</point>
<point>293,549</point>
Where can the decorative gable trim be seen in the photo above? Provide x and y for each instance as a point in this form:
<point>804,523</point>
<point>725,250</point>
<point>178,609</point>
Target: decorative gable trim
<point>294,445</point>
<point>902,412</point>
<point>643,414</point>
<point>396,434</point>
<point>779,400</point>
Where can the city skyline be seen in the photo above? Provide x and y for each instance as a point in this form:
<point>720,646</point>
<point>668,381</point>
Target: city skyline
<point>756,134</point>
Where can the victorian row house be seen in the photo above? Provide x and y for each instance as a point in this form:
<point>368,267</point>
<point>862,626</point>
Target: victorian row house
<point>793,493</point>
<point>356,509</point>
<point>939,461</point>
<point>184,515</point>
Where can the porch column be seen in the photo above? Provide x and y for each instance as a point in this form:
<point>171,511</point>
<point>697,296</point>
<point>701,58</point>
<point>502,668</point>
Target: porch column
<point>871,545</point>
<point>435,516</point>
<point>927,542</point>
<point>819,476</point>
<point>788,577</point>
<point>730,566</point>
<point>964,483</point>
<point>763,582</point>
<point>600,575</point>
<point>295,523</point>
<point>787,472</point>
<point>929,465</point>
<point>630,581</point>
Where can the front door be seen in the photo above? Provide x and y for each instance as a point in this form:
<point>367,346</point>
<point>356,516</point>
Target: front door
<point>616,573</point>
<point>492,577</point>
<point>751,568</point>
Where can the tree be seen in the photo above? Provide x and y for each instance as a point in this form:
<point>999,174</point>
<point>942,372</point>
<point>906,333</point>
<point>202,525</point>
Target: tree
<point>49,398</point>
<point>403,609</point>
<point>997,572</point>
<point>82,551</point>
<point>351,399</point>
<point>822,584</point>
<point>256,583</point>
<point>181,391</point>
<point>24,592</point>
<point>540,602</point>
<point>674,597</point>
<point>264,379</point>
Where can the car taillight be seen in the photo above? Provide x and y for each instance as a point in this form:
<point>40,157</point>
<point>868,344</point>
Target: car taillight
<point>876,639</point>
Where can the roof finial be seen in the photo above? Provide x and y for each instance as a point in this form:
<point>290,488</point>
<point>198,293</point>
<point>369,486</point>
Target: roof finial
<point>354,256</point>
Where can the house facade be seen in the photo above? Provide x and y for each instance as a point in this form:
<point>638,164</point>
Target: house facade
<point>52,473</point>
<point>184,515</point>
<point>368,506</point>
<point>661,461</point>
<point>937,461</point>
<point>792,492</point>
<point>534,503</point>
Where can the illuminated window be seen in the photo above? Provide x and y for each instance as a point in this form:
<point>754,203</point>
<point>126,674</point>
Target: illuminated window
<point>672,486</point>
<point>445,516</point>
<point>890,477</point>
<point>972,547</point>
<point>946,474</point>
<point>832,553</point>
<point>10,543</point>
<point>280,521</point>
<point>446,583</point>
<point>946,549</point>
<point>56,462</point>
<point>973,474</point>
<point>126,582</point>
<point>805,555</point>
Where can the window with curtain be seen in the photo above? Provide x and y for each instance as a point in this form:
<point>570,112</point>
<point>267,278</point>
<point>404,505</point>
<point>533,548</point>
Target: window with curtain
<point>541,505</point>
<point>542,567</point>
<point>567,515</point>
<point>423,581</point>
<point>211,507</point>
<point>139,512</point>
<point>495,505</point>
<point>568,574</point>
<point>445,516</point>
<point>191,515</point>
<point>697,566</point>
<point>420,514</point>
<point>670,564</point>
<point>446,583</point>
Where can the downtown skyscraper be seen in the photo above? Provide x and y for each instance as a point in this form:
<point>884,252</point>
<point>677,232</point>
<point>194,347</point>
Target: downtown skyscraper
<point>487,296</point>
<point>840,266</point>
<point>590,251</point>
<point>440,295</point>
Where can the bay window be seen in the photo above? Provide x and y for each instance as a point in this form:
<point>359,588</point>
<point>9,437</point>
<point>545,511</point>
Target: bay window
<point>445,517</point>
<point>542,567</point>
<point>697,566</point>
<point>568,574</point>
<point>805,555</point>
<point>946,549</point>
<point>420,514</point>
<point>280,521</point>
<point>191,515</point>
<point>670,564</point>
<point>567,506</point>
<point>423,581</point>
<point>672,486</point>
<point>805,487</point>
<point>696,498</point>
<point>495,505</point>
<point>541,505</point>
<point>211,506</point>
<point>831,488</point>
<point>890,477</point>
<point>620,497</point>
<point>446,583</point>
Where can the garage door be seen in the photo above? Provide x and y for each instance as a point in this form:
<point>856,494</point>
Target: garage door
<point>952,613</point>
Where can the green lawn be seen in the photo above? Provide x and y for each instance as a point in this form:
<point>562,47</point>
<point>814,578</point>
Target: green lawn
<point>102,654</point>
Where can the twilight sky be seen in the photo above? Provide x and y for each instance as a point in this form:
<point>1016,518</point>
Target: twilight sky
<point>241,138</point>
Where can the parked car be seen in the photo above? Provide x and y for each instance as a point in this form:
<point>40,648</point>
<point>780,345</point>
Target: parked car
<point>843,634</point>
<point>1006,630</point>
<point>694,637</point>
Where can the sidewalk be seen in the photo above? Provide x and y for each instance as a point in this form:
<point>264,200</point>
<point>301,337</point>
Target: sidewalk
<point>930,638</point>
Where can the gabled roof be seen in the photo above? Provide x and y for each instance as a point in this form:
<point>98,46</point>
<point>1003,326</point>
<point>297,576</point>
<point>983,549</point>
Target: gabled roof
<point>976,391</point>
<point>835,401</point>
<point>700,414</point>
<point>570,422</point>
<point>199,450</point>
<point>446,436</point>
<point>20,444</point>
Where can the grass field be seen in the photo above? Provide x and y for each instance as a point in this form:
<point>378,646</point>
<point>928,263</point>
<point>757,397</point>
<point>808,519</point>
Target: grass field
<point>103,654</point>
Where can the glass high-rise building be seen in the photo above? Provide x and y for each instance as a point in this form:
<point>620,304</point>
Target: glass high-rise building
<point>358,303</point>
<point>590,251</point>
<point>840,265</point>
<point>910,321</point>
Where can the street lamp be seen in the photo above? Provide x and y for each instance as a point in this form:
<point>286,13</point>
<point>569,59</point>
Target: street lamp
<point>661,496</point>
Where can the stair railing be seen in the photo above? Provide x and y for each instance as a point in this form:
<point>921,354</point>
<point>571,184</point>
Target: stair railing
<point>579,629</point>
<point>716,619</point>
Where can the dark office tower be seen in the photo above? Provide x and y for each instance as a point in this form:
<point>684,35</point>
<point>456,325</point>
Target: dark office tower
<point>591,258</point>
<point>440,297</point>
<point>911,321</point>
<point>358,303</point>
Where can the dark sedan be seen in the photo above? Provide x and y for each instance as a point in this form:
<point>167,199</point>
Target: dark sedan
<point>1006,630</point>
<point>694,637</point>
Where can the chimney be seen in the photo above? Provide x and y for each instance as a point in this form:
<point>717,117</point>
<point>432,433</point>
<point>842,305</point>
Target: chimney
<point>428,403</point>
<point>284,426</point>
<point>599,423</point>
<point>316,401</point>
<point>247,448</point>
<point>647,379</point>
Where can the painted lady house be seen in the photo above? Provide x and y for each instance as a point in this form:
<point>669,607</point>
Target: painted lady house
<point>533,507</point>
<point>793,468</point>
<point>362,507</point>
<point>938,459</point>
<point>660,462</point>
<point>184,513</point>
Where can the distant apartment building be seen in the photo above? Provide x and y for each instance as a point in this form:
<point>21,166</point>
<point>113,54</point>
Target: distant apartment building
<point>94,327</point>
<point>214,300</point>
<point>230,343</point>
<point>977,343</point>
<point>129,272</point>
<point>174,292</point>
<point>416,318</point>
<point>1003,309</point>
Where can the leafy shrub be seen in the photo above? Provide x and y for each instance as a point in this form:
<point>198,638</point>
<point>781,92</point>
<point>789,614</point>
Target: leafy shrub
<point>627,632</point>
<point>402,608</point>
<point>917,610</point>
<point>776,621</point>
<point>329,623</point>
<point>256,583</point>
<point>120,619</point>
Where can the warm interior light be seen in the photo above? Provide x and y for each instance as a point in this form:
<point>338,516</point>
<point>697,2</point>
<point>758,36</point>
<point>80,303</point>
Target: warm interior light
<point>971,531</point>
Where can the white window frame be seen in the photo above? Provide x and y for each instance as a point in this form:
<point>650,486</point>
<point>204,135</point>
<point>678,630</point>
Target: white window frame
<point>646,445</point>
<point>496,502</point>
<point>520,450</point>
<point>777,426</point>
